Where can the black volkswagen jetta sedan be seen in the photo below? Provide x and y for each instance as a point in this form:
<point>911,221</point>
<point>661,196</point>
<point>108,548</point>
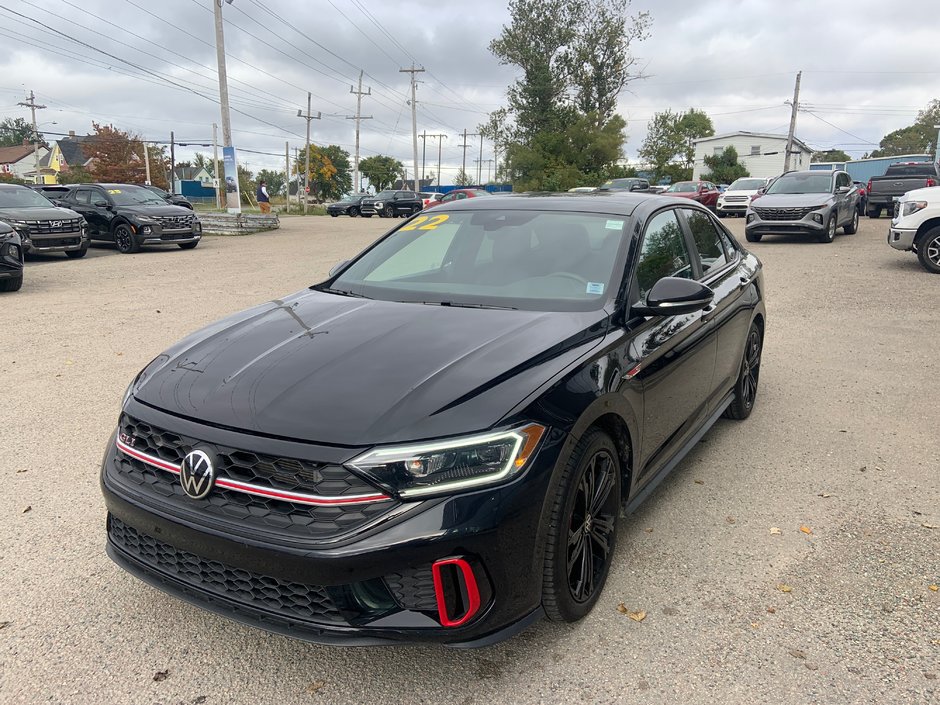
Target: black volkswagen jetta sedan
<point>435,443</point>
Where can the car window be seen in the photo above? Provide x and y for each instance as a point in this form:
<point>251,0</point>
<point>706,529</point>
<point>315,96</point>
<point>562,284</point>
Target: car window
<point>663,253</point>
<point>707,240</point>
<point>82,196</point>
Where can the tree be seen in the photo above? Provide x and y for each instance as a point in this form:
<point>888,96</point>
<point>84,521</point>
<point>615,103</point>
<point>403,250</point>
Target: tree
<point>559,128</point>
<point>462,179</point>
<point>116,155</point>
<point>76,175</point>
<point>341,182</point>
<point>670,141</point>
<point>159,166</point>
<point>14,131</point>
<point>381,171</point>
<point>913,139</point>
<point>725,167</point>
<point>322,171</point>
<point>246,184</point>
<point>10,179</point>
<point>831,155</point>
<point>275,180</point>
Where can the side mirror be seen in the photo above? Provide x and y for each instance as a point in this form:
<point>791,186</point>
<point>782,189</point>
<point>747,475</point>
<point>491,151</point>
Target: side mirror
<point>842,189</point>
<point>338,267</point>
<point>636,187</point>
<point>672,296</point>
<point>101,204</point>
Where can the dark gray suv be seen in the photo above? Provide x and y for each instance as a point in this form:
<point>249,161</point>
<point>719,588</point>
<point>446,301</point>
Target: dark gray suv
<point>814,203</point>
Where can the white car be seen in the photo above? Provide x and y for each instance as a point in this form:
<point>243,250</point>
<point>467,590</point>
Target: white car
<point>916,226</point>
<point>734,200</point>
<point>429,197</point>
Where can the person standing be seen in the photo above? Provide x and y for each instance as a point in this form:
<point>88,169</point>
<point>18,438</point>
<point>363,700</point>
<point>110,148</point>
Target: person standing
<point>264,200</point>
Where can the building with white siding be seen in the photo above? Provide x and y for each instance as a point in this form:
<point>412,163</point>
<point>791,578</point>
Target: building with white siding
<point>761,153</point>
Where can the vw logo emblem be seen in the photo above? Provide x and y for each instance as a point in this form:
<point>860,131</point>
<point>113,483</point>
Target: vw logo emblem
<point>197,474</point>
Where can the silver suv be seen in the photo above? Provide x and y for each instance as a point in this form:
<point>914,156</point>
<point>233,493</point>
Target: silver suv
<point>814,203</point>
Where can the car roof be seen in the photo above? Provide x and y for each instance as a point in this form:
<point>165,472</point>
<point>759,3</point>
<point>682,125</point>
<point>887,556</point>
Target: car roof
<point>612,202</point>
<point>12,186</point>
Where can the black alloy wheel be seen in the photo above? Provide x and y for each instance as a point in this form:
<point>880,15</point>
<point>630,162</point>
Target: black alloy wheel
<point>582,529</point>
<point>125,240</point>
<point>745,388</point>
<point>354,212</point>
<point>334,214</point>
<point>928,251</point>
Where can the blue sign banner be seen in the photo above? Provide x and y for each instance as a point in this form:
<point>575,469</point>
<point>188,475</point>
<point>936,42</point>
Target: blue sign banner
<point>232,196</point>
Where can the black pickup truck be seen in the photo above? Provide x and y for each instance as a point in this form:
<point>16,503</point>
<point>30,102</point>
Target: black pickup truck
<point>131,216</point>
<point>391,204</point>
<point>898,179</point>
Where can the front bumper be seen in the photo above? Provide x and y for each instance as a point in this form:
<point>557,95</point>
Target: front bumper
<point>805,226</point>
<point>172,238</point>
<point>731,207</point>
<point>901,238</point>
<point>369,586</point>
<point>61,242</point>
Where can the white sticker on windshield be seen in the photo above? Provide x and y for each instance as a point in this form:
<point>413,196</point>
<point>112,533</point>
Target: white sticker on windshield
<point>614,225</point>
<point>595,288</point>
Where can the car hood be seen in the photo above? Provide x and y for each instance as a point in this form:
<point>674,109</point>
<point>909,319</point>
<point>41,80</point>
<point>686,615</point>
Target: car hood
<point>931,195</point>
<point>791,200</point>
<point>38,214</point>
<point>154,210</point>
<point>344,371</point>
<point>749,192</point>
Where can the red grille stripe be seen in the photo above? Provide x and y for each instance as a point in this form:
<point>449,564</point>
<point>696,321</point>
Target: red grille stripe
<point>251,489</point>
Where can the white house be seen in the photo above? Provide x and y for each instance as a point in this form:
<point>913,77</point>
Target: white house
<point>20,161</point>
<point>761,153</point>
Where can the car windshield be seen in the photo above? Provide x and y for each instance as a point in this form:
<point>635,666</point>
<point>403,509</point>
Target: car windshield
<point>157,190</point>
<point>747,185</point>
<point>683,187</point>
<point>802,182</point>
<point>384,194</point>
<point>536,261</point>
<point>23,198</point>
<point>133,196</point>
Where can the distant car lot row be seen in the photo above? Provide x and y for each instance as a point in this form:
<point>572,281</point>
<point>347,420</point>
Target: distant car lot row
<point>128,215</point>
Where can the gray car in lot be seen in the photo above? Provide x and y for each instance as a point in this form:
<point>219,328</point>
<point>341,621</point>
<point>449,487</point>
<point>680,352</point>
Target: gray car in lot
<point>814,203</point>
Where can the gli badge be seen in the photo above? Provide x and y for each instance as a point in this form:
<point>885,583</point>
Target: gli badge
<point>197,474</point>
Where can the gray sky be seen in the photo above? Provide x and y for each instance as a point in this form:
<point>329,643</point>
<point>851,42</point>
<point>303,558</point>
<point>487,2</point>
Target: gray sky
<point>867,69</point>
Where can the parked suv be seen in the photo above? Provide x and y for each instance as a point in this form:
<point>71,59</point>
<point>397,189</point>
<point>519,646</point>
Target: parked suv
<point>916,226</point>
<point>11,259</point>
<point>807,202</point>
<point>734,199</point>
<point>132,216</point>
<point>43,226</point>
<point>174,199</point>
<point>391,204</point>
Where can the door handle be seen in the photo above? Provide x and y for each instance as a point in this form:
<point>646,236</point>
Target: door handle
<point>709,312</point>
<point>746,281</point>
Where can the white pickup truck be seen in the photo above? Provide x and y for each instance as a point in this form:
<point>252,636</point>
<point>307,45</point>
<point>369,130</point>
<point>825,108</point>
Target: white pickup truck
<point>916,226</point>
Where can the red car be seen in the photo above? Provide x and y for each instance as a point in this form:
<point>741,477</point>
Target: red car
<point>457,195</point>
<point>705,192</point>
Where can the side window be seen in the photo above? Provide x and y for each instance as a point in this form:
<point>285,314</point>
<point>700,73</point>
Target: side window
<point>82,196</point>
<point>663,254</point>
<point>449,197</point>
<point>461,196</point>
<point>707,241</point>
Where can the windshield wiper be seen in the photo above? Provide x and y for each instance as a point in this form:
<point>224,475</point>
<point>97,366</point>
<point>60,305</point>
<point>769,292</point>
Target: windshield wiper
<point>456,304</point>
<point>343,292</point>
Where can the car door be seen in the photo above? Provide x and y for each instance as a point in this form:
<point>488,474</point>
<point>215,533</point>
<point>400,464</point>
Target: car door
<point>845,198</point>
<point>79,200</point>
<point>728,316</point>
<point>673,357</point>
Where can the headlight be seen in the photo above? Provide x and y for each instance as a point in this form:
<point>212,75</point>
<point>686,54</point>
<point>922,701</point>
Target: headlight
<point>451,466</point>
<point>19,224</point>
<point>378,204</point>
<point>146,230</point>
<point>751,217</point>
<point>13,251</point>
<point>912,207</point>
<point>197,226</point>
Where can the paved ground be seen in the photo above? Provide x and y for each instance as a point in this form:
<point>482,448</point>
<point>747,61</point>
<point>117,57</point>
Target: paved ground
<point>844,442</point>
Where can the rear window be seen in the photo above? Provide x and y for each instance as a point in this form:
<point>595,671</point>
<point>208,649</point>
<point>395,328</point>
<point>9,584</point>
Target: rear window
<point>911,170</point>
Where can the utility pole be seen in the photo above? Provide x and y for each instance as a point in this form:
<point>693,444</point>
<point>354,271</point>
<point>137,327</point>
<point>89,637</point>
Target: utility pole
<point>480,164</point>
<point>358,117</point>
<point>146,162</point>
<point>424,151</point>
<point>466,144</point>
<point>215,162</point>
<point>489,163</point>
<point>936,150</point>
<point>794,108</point>
<point>172,163</point>
<point>414,116</point>
<point>31,104</point>
<point>440,141</point>
<point>308,117</point>
<point>439,137</point>
<point>223,78</point>
<point>287,172</point>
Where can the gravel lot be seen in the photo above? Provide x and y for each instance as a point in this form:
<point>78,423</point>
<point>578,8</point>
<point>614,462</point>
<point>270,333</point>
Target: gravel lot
<point>843,443</point>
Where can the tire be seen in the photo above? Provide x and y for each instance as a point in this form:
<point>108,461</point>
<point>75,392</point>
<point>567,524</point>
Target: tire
<point>77,254</point>
<point>928,251</point>
<point>852,227</point>
<point>125,240</point>
<point>745,387</point>
<point>753,237</point>
<point>353,212</point>
<point>829,234</point>
<point>566,595</point>
<point>874,212</point>
<point>721,214</point>
<point>11,284</point>
<point>188,245</point>
<point>333,215</point>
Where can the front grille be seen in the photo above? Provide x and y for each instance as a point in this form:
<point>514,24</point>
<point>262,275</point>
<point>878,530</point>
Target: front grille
<point>413,589</point>
<point>40,243</point>
<point>50,227</point>
<point>310,603</point>
<point>897,209</point>
<point>783,213</point>
<point>736,199</point>
<point>176,222</point>
<point>247,512</point>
